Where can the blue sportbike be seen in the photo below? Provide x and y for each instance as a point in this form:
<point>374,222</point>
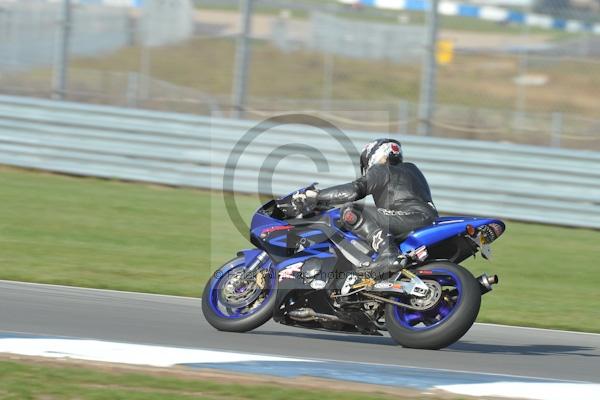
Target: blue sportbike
<point>302,273</point>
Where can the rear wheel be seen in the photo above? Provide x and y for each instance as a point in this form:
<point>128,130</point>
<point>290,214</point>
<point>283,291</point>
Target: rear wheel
<point>230,303</point>
<point>455,303</point>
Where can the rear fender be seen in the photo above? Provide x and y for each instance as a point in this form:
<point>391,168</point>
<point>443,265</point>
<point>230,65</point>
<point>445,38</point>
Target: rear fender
<point>442,229</point>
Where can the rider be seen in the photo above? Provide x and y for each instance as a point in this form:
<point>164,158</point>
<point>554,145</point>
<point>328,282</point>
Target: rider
<point>402,199</point>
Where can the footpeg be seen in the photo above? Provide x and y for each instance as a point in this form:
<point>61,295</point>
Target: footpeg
<point>367,282</point>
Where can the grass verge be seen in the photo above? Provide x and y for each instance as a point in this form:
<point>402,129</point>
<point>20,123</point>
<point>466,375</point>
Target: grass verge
<point>41,379</point>
<point>107,234</point>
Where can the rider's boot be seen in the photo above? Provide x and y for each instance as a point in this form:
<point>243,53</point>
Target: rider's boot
<point>388,260</point>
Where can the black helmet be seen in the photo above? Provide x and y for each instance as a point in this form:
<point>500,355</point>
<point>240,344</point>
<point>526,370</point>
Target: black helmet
<point>376,150</point>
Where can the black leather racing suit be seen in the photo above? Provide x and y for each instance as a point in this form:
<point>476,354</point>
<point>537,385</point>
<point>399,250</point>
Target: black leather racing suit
<point>402,199</point>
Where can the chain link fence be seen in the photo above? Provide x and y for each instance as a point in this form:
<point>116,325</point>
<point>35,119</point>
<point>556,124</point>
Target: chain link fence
<point>358,67</point>
<point>28,32</point>
<point>397,116</point>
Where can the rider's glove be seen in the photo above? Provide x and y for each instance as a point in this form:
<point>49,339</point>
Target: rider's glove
<point>300,199</point>
<point>311,194</point>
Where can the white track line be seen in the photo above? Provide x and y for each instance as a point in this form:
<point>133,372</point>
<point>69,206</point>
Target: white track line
<point>126,353</point>
<point>308,359</point>
<point>526,390</point>
<point>166,356</point>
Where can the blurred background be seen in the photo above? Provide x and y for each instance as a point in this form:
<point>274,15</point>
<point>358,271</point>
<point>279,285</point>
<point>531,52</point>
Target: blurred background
<point>495,100</point>
<point>519,71</point>
<point>119,119</point>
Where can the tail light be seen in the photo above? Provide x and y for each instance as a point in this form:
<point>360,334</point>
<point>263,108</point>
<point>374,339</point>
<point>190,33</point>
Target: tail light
<point>471,231</point>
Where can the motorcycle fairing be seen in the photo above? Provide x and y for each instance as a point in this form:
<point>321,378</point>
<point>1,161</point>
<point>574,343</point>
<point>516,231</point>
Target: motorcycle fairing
<point>323,234</point>
<point>287,262</point>
<point>261,220</point>
<point>300,286</point>
<point>442,229</point>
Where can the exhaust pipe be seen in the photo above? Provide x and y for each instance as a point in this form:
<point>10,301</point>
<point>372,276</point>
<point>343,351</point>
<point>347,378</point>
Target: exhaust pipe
<point>486,282</point>
<point>308,314</point>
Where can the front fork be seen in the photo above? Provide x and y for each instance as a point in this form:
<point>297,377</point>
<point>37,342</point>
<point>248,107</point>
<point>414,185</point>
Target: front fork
<point>254,259</point>
<point>260,258</point>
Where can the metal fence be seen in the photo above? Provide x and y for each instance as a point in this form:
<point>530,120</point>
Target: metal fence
<point>367,40</point>
<point>29,30</point>
<point>467,177</point>
<point>501,85</point>
<point>132,89</point>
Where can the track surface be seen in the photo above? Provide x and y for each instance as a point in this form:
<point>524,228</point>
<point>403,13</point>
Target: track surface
<point>178,321</point>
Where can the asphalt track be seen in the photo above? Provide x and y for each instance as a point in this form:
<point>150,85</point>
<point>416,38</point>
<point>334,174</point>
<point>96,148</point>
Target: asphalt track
<point>177,321</point>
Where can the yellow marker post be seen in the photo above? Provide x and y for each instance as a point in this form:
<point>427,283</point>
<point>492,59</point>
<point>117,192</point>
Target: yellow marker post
<point>445,52</point>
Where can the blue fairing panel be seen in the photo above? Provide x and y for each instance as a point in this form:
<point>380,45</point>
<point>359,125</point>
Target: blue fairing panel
<point>260,221</point>
<point>442,229</point>
<point>290,261</point>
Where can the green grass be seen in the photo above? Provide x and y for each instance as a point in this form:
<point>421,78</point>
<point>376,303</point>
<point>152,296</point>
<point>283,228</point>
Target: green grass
<point>101,234</point>
<point>29,380</point>
<point>470,80</point>
<point>125,236</point>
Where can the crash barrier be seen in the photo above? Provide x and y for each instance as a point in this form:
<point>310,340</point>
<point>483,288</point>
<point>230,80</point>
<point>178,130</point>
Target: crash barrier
<point>484,12</point>
<point>518,182</point>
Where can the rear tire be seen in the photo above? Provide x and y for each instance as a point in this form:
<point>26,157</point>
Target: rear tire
<point>238,324</point>
<point>448,330</point>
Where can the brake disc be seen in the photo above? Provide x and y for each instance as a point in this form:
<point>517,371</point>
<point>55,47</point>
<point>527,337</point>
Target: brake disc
<point>236,292</point>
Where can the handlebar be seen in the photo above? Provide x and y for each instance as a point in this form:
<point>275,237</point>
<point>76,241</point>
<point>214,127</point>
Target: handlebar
<point>294,208</point>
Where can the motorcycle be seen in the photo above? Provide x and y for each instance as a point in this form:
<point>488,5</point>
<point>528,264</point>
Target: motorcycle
<point>302,273</point>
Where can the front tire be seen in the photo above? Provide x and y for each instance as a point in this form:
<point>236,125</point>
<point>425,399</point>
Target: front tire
<point>222,316</point>
<point>448,320</point>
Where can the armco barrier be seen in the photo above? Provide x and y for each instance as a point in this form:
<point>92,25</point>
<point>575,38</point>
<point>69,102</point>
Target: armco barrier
<point>484,12</point>
<point>467,177</point>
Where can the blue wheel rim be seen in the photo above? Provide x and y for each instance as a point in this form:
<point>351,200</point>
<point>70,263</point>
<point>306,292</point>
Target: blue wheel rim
<point>441,312</point>
<point>220,275</point>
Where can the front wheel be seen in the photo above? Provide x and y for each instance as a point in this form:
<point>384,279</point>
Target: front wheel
<point>232,304</point>
<point>452,315</point>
